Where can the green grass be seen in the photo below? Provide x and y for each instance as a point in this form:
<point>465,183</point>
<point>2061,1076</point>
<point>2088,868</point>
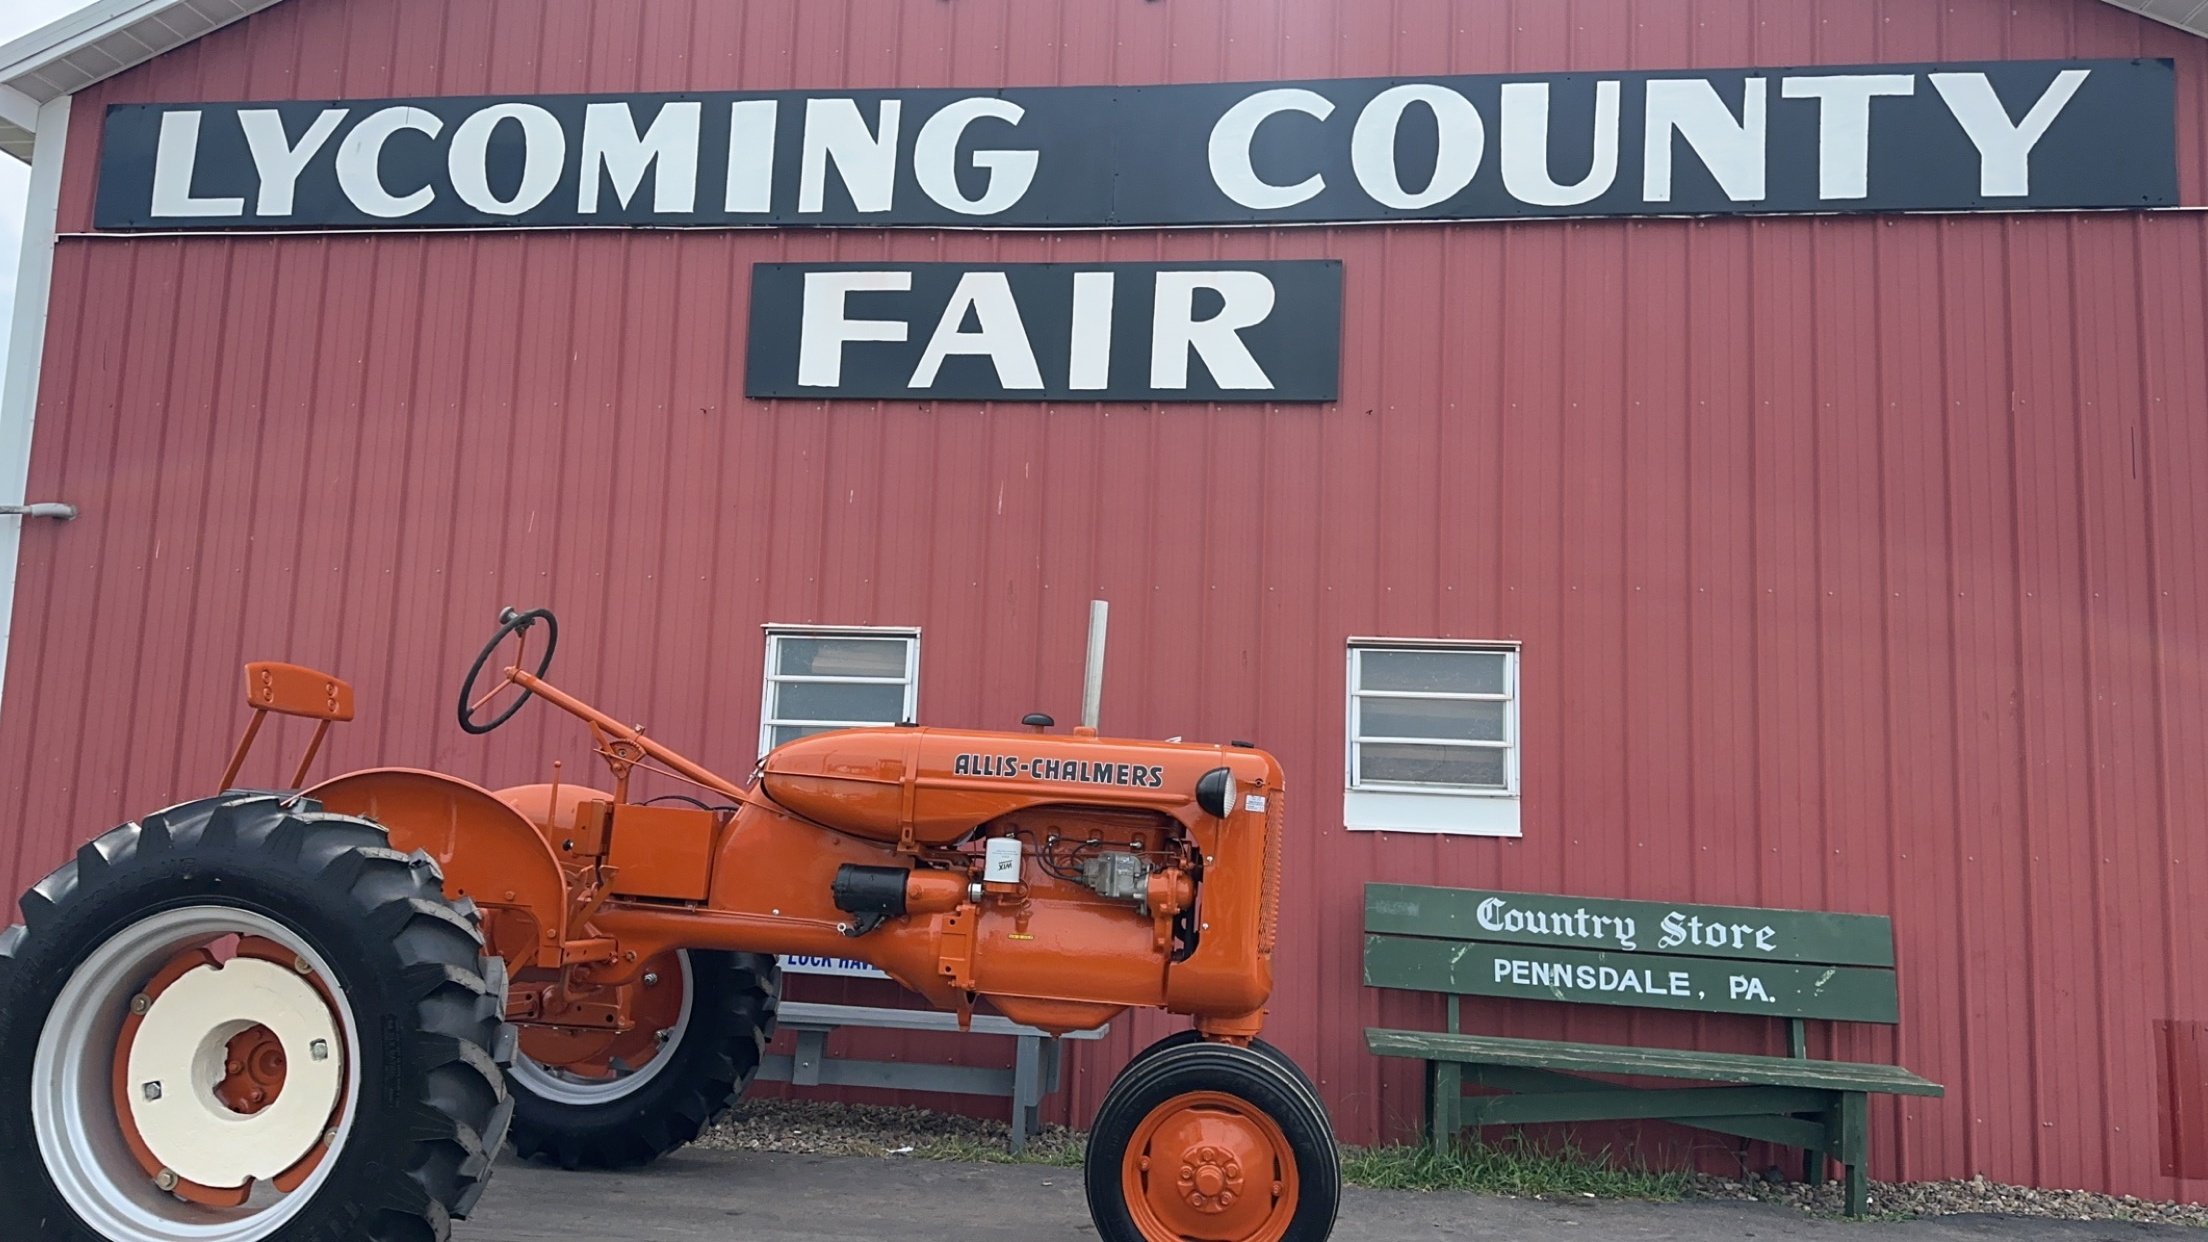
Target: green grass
<point>1507,1168</point>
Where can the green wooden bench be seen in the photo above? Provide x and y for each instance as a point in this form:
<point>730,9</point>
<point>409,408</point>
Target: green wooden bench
<point>1795,965</point>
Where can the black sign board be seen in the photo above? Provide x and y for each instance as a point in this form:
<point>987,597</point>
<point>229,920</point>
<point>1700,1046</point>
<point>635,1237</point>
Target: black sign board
<point>2006,136</point>
<point>1262,331</point>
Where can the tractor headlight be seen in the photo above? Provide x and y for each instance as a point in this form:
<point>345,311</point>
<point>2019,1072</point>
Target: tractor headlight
<point>1215,791</point>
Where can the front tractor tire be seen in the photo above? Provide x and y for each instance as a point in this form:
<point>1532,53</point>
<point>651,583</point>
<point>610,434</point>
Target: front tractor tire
<point>1209,1142</point>
<point>595,1101</point>
<point>243,1020</point>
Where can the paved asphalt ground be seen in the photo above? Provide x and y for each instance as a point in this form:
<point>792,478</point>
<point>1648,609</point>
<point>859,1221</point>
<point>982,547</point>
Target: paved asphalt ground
<point>746,1197</point>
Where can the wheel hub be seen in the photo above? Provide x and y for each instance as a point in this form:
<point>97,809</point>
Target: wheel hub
<point>1209,1166</point>
<point>229,1070</point>
<point>1210,1179</point>
<point>588,1066</point>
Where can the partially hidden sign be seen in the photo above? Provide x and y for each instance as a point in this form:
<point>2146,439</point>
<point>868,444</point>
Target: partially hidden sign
<point>1252,331</point>
<point>1998,136</point>
<point>1779,963</point>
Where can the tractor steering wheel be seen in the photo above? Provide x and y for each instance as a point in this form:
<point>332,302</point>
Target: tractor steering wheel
<point>510,623</point>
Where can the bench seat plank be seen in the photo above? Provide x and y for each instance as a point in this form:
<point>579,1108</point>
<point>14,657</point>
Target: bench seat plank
<point>1652,1062</point>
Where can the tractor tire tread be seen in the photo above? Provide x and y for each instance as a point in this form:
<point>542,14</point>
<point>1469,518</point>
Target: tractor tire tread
<point>420,980</point>
<point>736,999</point>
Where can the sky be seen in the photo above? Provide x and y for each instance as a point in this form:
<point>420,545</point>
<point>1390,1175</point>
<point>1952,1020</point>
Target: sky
<point>18,17</point>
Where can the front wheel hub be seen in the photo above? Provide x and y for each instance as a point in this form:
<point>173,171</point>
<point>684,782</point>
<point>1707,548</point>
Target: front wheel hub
<point>1210,1166</point>
<point>229,1070</point>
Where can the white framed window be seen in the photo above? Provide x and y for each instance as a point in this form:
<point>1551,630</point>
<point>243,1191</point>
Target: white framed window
<point>837,677</point>
<point>1432,736</point>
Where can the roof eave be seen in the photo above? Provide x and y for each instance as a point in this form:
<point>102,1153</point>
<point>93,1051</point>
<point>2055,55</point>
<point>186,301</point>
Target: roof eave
<point>2190,16</point>
<point>95,43</point>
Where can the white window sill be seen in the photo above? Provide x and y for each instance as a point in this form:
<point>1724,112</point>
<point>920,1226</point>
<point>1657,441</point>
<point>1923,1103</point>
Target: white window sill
<point>1467,815</point>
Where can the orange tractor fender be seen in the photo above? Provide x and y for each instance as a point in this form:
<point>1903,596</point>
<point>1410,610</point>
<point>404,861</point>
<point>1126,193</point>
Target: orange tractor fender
<point>489,852</point>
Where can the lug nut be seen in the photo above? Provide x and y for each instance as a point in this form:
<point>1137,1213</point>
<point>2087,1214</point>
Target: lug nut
<point>165,1179</point>
<point>140,1003</point>
<point>651,978</point>
<point>153,1090</point>
<point>319,1050</point>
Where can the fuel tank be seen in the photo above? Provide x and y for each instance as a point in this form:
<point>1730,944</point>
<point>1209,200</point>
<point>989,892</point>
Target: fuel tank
<point>944,783</point>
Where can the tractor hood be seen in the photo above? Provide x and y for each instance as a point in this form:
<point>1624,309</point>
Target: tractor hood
<point>941,784</point>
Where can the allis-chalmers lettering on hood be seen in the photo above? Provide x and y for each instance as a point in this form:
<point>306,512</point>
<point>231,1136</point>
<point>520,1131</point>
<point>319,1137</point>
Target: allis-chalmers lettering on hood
<point>2005,136</point>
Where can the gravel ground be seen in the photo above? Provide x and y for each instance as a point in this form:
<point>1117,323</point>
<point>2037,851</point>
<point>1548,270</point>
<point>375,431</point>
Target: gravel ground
<point>1920,1199</point>
<point>808,1128</point>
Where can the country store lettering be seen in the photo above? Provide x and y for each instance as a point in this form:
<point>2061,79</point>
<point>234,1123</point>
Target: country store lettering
<point>1677,929</point>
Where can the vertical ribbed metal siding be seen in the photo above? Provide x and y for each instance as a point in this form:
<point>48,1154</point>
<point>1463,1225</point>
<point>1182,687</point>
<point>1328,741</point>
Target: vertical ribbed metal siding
<point>1857,562</point>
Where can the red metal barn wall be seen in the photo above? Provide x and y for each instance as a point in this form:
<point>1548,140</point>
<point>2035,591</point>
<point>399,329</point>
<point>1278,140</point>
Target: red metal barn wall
<point>1858,562</point>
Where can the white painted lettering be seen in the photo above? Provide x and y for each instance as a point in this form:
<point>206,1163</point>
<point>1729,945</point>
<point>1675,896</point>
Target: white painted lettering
<point>865,159</point>
<point>824,326</point>
<point>543,156</point>
<point>1525,147</point>
<point>1246,300</point>
<point>998,333</point>
<point>750,185</point>
<point>276,160</point>
<point>668,148</point>
<point>1090,367</point>
<point>935,158</point>
<point>2004,146</point>
<point>1732,148</point>
<point>1844,125</point>
<point>360,162</point>
<point>175,158</point>
<point>1236,132</point>
<point>1456,160</point>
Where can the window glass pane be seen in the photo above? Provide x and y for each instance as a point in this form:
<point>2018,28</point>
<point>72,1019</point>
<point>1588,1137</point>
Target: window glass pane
<point>799,700</point>
<point>841,657</point>
<point>790,733</point>
<point>1448,672</point>
<point>1409,763</point>
<point>1471,720</point>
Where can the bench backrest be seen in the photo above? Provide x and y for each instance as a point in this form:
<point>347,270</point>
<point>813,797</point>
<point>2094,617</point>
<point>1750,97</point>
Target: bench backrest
<point>1792,964</point>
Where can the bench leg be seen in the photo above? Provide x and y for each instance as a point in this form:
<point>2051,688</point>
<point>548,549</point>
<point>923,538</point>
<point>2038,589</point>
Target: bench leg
<point>1855,1148</point>
<point>1444,1104</point>
<point>1815,1160</point>
<point>1027,1090</point>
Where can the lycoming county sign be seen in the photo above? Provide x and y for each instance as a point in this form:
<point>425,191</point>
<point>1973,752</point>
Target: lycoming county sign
<point>2007,136</point>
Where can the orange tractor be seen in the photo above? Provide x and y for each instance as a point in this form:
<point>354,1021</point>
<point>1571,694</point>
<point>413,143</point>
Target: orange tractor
<point>318,1013</point>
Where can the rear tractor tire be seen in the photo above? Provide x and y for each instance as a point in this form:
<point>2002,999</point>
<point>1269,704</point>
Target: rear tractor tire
<point>243,1020</point>
<point>605,1102</point>
<point>1209,1142</point>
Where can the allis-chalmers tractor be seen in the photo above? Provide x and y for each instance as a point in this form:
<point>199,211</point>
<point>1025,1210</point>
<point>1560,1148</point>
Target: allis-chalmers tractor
<point>317,1013</point>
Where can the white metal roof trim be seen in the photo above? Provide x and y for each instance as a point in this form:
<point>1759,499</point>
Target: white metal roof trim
<point>2188,15</point>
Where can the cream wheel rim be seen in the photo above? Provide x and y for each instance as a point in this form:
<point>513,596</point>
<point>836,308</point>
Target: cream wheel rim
<point>81,1142</point>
